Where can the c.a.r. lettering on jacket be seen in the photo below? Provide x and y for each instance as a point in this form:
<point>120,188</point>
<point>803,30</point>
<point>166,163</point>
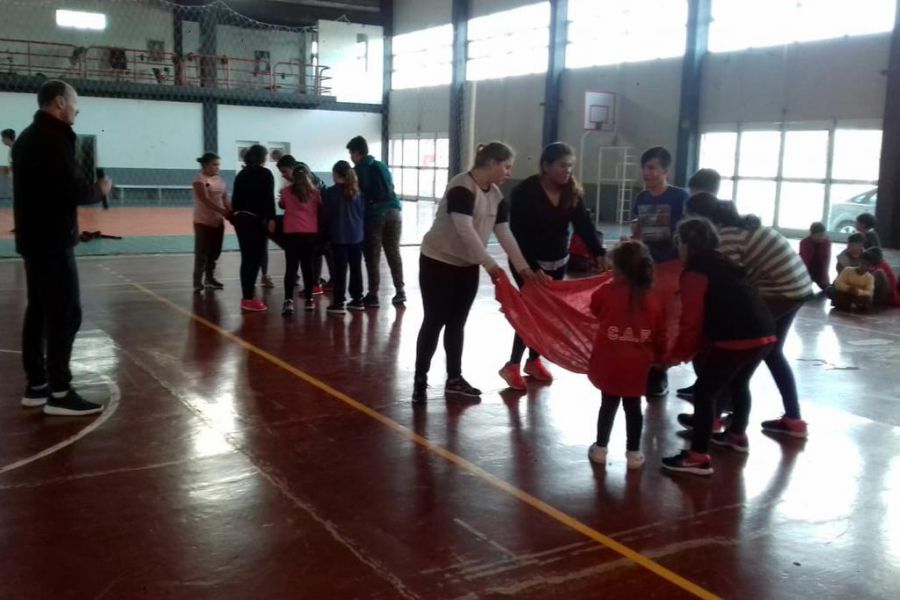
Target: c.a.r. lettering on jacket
<point>628,335</point>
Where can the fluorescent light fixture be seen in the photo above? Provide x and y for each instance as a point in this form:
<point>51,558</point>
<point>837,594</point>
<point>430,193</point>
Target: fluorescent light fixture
<point>81,20</point>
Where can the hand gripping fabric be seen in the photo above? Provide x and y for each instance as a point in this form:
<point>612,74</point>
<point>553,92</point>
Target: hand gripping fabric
<point>556,319</point>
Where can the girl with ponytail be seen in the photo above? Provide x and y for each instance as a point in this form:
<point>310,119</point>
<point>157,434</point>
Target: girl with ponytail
<point>541,209</point>
<point>471,210</point>
<point>631,338</point>
<point>343,217</point>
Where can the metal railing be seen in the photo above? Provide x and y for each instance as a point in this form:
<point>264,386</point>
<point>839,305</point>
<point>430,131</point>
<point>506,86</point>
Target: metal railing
<point>111,63</point>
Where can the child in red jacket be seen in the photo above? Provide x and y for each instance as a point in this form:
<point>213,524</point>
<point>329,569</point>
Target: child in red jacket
<point>815,250</point>
<point>722,314</point>
<point>631,338</point>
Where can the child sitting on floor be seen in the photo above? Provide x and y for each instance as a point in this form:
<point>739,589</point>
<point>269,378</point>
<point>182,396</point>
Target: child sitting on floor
<point>815,250</point>
<point>631,338</point>
<point>851,256</point>
<point>855,286</point>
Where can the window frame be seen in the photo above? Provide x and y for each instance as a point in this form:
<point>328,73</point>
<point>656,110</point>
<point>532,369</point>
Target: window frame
<point>828,181</point>
<point>397,165</point>
<point>441,50</point>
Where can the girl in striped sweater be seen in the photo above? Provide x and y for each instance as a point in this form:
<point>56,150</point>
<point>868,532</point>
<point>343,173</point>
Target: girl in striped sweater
<point>778,274</point>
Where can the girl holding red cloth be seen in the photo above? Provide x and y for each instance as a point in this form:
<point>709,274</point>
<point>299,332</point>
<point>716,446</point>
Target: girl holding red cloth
<point>630,339</point>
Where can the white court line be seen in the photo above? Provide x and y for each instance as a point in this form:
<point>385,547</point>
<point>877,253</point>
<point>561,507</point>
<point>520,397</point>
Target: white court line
<point>10,352</point>
<point>108,412</point>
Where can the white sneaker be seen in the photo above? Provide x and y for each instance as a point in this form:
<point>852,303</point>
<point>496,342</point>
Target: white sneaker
<point>634,459</point>
<point>597,454</point>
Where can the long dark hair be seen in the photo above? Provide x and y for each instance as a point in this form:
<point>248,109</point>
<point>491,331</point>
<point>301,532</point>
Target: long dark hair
<point>721,213</point>
<point>255,155</point>
<point>572,192</point>
<point>301,185</point>
<point>631,260</point>
<point>350,186</point>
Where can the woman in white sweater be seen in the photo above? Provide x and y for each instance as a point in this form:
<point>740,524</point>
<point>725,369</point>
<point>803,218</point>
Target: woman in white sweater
<point>472,208</point>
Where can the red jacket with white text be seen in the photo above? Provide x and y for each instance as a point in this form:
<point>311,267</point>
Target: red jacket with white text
<point>630,339</point>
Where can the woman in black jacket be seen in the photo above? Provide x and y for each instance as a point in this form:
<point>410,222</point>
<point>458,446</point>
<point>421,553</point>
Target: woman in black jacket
<point>253,203</point>
<point>541,210</point>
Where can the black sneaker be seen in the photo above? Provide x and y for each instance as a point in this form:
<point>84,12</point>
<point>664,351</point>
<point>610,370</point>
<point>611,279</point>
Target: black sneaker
<point>309,305</point>
<point>71,405</point>
<point>35,397</point>
<point>213,283</point>
<point>336,308</point>
<point>686,393</point>
<point>420,392</point>
<point>287,309</point>
<point>461,387</point>
<point>198,287</point>
<point>356,305</point>
<point>657,383</point>
<point>371,301</point>
<point>399,298</point>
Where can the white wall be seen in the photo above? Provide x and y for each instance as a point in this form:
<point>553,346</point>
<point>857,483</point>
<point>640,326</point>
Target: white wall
<point>317,137</point>
<point>425,110</point>
<point>413,15</point>
<point>351,80</point>
<point>509,110</point>
<point>832,79</point>
<point>480,9</point>
<point>128,24</point>
<point>648,100</point>
<point>142,134</point>
<point>282,46</point>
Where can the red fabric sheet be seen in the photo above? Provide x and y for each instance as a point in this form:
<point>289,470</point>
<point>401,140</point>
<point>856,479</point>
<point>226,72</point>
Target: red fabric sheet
<point>556,319</point>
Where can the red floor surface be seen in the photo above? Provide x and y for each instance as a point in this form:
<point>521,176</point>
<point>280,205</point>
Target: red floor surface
<point>263,457</point>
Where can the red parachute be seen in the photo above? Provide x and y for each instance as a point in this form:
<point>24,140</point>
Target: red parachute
<point>556,319</point>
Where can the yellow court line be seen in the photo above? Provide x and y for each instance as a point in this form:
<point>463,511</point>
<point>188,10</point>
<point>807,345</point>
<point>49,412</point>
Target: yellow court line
<point>457,460</point>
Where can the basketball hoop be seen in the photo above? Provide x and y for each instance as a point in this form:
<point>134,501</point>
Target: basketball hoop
<point>600,111</point>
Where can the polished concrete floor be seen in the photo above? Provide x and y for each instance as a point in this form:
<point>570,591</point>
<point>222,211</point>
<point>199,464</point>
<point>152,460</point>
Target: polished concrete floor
<point>253,456</point>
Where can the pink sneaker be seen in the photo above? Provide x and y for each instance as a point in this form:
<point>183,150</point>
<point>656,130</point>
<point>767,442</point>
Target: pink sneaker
<point>513,378</point>
<point>255,305</point>
<point>786,426</point>
<point>536,369</point>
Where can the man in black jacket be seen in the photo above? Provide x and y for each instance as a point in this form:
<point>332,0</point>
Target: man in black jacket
<point>49,186</point>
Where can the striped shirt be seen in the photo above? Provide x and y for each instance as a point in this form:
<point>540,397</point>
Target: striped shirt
<point>773,267</point>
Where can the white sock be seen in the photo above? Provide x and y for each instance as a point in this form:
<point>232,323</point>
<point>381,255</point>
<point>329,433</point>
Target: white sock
<point>60,394</point>
<point>38,387</point>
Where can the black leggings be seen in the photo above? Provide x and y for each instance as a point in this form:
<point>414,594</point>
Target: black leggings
<point>299,250</point>
<point>518,348</point>
<point>634,420</point>
<point>784,312</point>
<point>251,234</point>
<point>723,371</point>
<point>447,295</point>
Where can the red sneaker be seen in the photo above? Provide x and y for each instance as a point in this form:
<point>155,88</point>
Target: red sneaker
<point>511,375</point>
<point>318,290</point>
<point>786,426</point>
<point>536,369</point>
<point>689,462</point>
<point>255,305</point>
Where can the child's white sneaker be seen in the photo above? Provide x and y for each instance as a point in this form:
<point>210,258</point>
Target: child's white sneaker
<point>634,459</point>
<point>597,454</point>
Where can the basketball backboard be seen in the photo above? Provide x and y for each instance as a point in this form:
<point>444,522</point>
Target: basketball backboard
<point>600,111</point>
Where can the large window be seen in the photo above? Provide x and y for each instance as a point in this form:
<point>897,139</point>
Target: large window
<point>611,32</point>
<point>737,25</point>
<point>419,164</point>
<point>422,58</point>
<point>509,43</point>
<point>794,177</point>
